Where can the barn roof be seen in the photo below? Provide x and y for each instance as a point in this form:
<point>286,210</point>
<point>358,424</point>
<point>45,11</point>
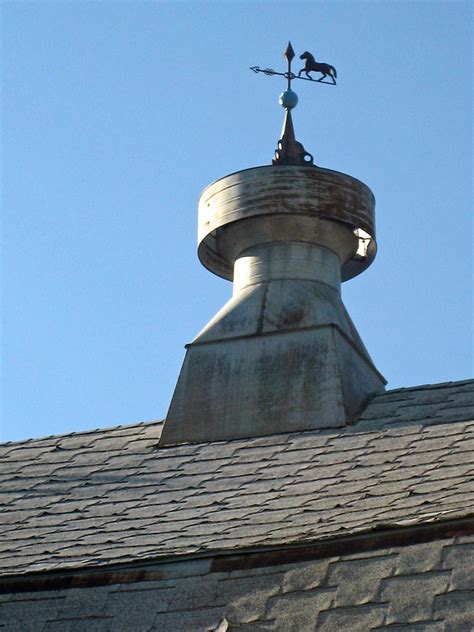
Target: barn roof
<point>112,496</point>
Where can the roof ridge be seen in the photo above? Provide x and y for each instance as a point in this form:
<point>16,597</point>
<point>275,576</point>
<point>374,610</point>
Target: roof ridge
<point>78,433</point>
<point>427,386</point>
<point>158,422</point>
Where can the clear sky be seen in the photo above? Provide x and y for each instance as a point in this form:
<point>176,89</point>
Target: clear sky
<point>117,114</point>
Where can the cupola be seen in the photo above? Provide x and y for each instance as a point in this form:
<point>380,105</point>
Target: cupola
<point>283,354</point>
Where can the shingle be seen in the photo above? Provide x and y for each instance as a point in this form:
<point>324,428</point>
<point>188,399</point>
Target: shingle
<point>306,576</point>
<point>82,624</point>
<point>355,619</point>
<point>205,499</point>
<point>247,596</point>
<point>224,515</point>
<point>298,612</point>
<point>205,619</point>
<point>420,558</point>
<point>369,472</point>
<point>265,486</point>
<point>426,626</point>
<point>460,558</point>
<point>128,604</point>
<point>309,486</point>
<point>276,502</point>
<point>358,581</point>
<point>385,488</point>
<point>16,517</point>
<point>390,442</point>
<point>419,411</point>
<point>18,484</point>
<point>459,429</point>
<point>456,608</point>
<point>447,471</point>
<point>436,485</point>
<point>299,457</point>
<point>330,501</point>
<point>18,615</point>
<point>465,442</point>
<point>455,457</point>
<point>421,458</point>
<point>231,484</point>
<point>191,468</point>
<point>462,413</point>
<point>79,603</point>
<point>275,472</point>
<point>411,597</point>
<point>313,440</point>
<point>67,471</point>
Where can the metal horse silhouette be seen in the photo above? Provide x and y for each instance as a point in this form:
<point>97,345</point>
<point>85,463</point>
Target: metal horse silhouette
<point>312,65</point>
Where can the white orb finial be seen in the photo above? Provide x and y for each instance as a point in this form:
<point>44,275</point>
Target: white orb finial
<point>288,99</point>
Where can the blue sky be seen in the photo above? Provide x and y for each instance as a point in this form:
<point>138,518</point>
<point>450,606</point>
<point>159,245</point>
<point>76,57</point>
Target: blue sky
<point>115,115</point>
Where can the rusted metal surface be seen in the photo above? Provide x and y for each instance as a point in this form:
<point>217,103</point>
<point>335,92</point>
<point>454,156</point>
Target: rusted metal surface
<point>378,538</point>
<point>296,192</point>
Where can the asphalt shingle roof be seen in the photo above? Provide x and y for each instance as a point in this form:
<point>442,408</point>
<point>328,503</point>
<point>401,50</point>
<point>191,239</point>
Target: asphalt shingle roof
<point>112,496</point>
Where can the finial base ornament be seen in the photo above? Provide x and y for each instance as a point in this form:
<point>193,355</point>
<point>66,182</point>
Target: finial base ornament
<point>289,150</point>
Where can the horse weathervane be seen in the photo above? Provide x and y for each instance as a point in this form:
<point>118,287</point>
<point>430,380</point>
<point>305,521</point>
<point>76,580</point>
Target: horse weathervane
<point>289,150</point>
<point>311,65</point>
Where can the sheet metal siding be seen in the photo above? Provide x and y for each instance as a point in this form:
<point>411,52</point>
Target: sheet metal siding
<point>304,190</point>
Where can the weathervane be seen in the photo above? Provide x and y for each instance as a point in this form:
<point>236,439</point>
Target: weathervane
<point>311,65</point>
<point>289,150</point>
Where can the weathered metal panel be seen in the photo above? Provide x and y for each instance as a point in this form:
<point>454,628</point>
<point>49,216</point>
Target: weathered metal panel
<point>295,191</point>
<point>293,380</point>
<point>282,260</point>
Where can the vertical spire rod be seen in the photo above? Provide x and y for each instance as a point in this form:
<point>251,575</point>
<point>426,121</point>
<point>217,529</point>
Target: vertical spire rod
<point>290,151</point>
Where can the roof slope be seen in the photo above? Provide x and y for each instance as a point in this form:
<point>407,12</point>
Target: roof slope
<point>111,496</point>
